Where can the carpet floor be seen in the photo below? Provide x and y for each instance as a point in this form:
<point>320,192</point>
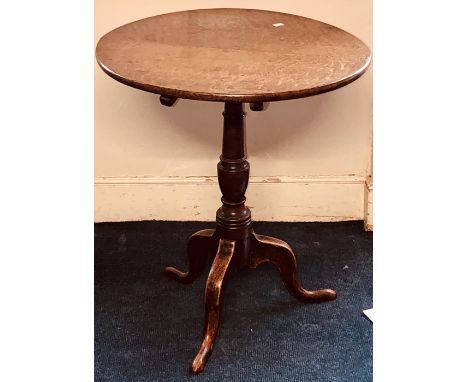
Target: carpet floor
<point>149,327</point>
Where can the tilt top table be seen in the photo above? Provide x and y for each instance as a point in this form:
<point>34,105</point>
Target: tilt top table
<point>234,56</point>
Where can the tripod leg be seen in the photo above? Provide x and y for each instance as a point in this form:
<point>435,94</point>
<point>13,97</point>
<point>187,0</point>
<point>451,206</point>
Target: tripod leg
<point>278,252</point>
<point>213,295</point>
<point>200,247</point>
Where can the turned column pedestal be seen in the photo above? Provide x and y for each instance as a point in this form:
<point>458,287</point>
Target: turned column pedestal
<point>233,243</point>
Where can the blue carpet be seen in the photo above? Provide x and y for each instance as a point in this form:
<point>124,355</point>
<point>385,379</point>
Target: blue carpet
<point>149,328</point>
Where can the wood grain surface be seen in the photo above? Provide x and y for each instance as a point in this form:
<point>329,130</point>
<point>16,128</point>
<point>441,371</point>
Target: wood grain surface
<point>240,55</point>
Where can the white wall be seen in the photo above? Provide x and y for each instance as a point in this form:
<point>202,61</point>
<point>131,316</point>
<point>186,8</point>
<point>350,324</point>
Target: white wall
<point>309,158</point>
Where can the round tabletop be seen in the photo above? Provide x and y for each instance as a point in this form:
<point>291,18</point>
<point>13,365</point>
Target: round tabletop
<point>240,55</point>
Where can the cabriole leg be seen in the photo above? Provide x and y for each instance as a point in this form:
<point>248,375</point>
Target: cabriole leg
<point>213,296</point>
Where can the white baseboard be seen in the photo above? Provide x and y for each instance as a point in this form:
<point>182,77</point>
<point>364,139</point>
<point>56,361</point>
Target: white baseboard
<point>281,198</point>
<point>368,205</point>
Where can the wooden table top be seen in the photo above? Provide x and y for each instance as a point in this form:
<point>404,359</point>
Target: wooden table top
<point>241,55</point>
